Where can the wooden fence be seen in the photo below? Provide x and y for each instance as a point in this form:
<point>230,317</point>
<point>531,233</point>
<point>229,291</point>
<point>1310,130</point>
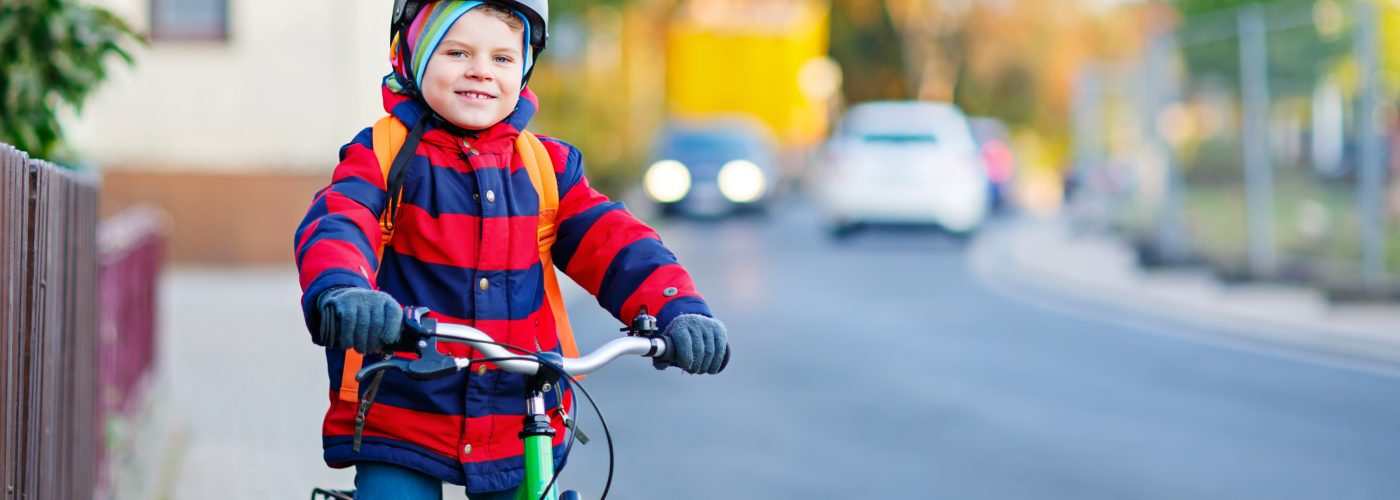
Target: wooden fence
<point>77,326</point>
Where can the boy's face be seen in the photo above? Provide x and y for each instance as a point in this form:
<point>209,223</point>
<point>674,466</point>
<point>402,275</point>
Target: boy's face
<point>473,80</point>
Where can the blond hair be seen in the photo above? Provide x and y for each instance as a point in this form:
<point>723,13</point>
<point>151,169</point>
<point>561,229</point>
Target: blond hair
<point>505,15</point>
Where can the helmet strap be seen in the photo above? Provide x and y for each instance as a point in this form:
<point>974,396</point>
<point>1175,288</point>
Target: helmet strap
<point>446,126</point>
<point>405,81</point>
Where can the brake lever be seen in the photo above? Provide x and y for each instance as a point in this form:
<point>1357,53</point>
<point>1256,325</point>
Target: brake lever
<point>419,336</point>
<point>399,364</point>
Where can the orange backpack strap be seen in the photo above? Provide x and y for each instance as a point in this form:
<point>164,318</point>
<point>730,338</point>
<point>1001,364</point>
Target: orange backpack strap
<point>389,136</point>
<point>541,170</point>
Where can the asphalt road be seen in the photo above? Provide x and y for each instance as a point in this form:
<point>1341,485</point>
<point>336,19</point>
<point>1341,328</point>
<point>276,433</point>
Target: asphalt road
<point>883,368</point>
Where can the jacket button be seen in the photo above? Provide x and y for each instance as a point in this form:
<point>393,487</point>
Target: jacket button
<point>466,450</point>
<point>670,292</point>
<point>481,369</point>
<point>484,284</point>
<point>476,196</point>
<point>490,196</point>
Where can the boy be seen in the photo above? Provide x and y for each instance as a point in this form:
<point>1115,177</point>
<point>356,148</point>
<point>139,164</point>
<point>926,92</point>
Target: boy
<point>464,245</point>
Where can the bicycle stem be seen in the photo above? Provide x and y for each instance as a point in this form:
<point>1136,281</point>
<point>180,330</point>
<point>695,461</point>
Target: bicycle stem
<point>539,452</point>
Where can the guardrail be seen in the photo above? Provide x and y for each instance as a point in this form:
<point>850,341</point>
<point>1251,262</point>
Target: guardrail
<point>60,285</point>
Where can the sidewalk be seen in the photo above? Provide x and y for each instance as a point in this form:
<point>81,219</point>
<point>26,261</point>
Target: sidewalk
<point>235,410</point>
<point>1043,260</point>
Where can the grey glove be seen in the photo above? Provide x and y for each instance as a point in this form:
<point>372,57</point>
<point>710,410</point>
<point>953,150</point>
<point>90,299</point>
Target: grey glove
<point>696,344</point>
<point>359,318</point>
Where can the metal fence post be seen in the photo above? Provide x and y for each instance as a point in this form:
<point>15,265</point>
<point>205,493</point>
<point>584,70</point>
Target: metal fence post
<point>1258,168</point>
<point>1370,179</point>
<point>1086,125</point>
<point>1160,90</point>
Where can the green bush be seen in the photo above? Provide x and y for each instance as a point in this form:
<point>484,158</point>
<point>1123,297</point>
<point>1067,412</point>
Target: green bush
<point>52,53</point>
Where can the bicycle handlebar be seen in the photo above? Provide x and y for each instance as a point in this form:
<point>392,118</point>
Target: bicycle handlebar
<point>420,335</point>
<point>518,363</point>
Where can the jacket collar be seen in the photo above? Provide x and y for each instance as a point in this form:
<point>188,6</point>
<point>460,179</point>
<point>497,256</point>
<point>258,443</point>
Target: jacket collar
<point>496,139</point>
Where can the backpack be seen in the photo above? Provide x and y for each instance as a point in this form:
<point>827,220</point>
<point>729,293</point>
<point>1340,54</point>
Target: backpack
<point>394,147</point>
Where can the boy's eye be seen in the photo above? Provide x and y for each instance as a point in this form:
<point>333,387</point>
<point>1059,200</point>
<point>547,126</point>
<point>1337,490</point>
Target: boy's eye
<point>502,59</point>
<point>456,53</point>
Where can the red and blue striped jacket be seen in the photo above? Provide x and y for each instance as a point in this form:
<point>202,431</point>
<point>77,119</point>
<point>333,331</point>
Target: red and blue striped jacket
<point>464,246</point>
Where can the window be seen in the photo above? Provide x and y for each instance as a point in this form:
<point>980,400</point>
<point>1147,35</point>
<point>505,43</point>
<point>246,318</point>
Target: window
<point>189,19</point>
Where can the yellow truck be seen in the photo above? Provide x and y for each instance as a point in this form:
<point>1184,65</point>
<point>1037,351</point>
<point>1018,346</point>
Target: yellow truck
<point>765,58</point>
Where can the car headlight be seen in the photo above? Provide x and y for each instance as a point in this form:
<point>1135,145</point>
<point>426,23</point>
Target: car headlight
<point>741,181</point>
<point>667,181</point>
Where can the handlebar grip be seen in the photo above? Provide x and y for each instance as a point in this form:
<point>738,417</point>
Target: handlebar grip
<point>669,358</point>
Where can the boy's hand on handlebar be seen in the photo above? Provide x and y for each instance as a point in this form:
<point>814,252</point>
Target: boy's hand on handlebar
<point>359,318</point>
<point>696,344</point>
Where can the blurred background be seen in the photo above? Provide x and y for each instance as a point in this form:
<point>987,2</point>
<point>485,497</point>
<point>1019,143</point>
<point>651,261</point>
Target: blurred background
<point>965,248</point>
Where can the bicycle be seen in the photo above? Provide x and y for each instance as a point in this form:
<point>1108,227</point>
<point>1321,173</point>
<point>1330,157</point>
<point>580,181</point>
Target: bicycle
<point>544,370</point>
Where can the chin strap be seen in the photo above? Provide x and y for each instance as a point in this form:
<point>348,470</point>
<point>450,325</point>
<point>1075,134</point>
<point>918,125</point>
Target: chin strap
<point>442,124</point>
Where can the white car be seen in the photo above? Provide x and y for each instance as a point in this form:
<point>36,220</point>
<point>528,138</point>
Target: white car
<point>903,162</point>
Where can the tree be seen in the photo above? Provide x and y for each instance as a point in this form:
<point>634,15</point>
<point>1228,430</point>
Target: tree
<point>52,53</point>
<point>866,43</point>
<point>1012,59</point>
<point>1297,52</point>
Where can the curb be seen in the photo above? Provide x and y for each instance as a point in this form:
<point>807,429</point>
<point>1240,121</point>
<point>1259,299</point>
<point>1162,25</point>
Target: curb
<point>1044,261</point>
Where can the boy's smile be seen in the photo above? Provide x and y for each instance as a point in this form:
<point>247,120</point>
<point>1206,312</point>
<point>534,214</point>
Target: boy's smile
<point>474,77</point>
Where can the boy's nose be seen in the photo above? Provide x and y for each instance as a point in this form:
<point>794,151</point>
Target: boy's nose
<point>478,70</point>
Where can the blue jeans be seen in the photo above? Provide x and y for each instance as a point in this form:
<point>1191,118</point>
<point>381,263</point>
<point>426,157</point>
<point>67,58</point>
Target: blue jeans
<point>375,481</point>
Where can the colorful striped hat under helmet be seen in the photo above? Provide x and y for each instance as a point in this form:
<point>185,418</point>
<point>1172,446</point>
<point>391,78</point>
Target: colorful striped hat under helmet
<point>426,32</point>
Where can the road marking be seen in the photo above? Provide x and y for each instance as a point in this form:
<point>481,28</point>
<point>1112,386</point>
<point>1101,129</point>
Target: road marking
<point>1228,336</point>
